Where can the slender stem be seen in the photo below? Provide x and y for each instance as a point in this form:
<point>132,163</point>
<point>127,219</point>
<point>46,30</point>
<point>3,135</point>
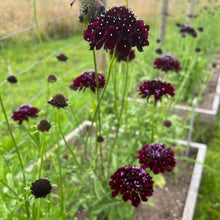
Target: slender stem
<point>114,75</point>
<point>100,99</point>
<point>13,140</point>
<point>60,180</point>
<point>126,3</point>
<point>121,111</point>
<point>42,154</point>
<point>38,209</point>
<point>36,22</point>
<point>8,187</point>
<point>152,121</point>
<point>64,139</point>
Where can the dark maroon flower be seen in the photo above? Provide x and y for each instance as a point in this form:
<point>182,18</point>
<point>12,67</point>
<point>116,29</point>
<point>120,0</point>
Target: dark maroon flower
<point>62,57</point>
<point>123,58</point>
<point>156,88</point>
<point>133,182</point>
<point>59,101</point>
<point>187,29</point>
<point>157,157</point>
<point>12,79</point>
<point>41,188</point>
<point>44,125</point>
<point>87,79</point>
<point>117,27</point>
<point>24,112</point>
<point>159,51</point>
<point>167,63</point>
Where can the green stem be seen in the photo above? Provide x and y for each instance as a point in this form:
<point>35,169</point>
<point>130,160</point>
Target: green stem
<point>42,154</point>
<point>13,140</point>
<point>124,96</point>
<point>152,122</point>
<point>38,209</point>
<point>99,101</point>
<point>60,182</point>
<point>36,22</point>
<point>66,143</point>
<point>126,3</point>
<point>8,187</point>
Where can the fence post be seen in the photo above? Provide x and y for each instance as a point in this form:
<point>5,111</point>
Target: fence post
<point>190,11</point>
<point>164,15</point>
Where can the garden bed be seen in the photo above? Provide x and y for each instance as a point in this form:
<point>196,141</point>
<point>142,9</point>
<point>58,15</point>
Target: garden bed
<point>176,200</point>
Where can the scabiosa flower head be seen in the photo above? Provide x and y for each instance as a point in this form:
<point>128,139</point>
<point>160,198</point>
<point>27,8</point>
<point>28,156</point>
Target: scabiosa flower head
<point>41,188</point>
<point>12,79</point>
<point>87,79</point>
<point>44,125</point>
<point>167,63</point>
<point>59,100</point>
<point>167,123</point>
<point>157,88</point>
<point>117,27</point>
<point>62,57</point>
<point>159,51</point>
<point>187,29</point>
<point>131,56</point>
<point>133,182</point>
<point>65,156</point>
<point>157,157</point>
<point>52,78</point>
<point>24,112</point>
<point>158,41</point>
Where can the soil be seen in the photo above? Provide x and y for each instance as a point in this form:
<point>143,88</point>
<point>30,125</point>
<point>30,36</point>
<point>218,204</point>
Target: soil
<point>170,200</point>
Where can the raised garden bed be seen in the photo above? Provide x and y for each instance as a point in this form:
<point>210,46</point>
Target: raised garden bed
<point>176,200</point>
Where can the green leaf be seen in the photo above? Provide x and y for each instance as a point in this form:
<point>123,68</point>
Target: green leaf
<point>159,180</point>
<point>99,190</point>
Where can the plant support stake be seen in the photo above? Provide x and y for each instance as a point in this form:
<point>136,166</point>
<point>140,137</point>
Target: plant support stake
<point>190,11</point>
<point>191,127</point>
<point>164,15</point>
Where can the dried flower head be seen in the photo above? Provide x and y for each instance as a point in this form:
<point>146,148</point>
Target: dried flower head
<point>167,123</point>
<point>167,63</point>
<point>158,41</point>
<point>24,112</point>
<point>117,27</point>
<point>87,79</point>
<point>156,88</point>
<point>62,57</point>
<point>133,182</point>
<point>200,29</point>
<point>197,50</point>
<point>90,9</point>
<point>44,125</point>
<point>52,78</point>
<point>178,24</point>
<point>100,139</point>
<point>59,100</point>
<point>41,188</point>
<point>187,29</point>
<point>12,79</point>
<point>65,156</point>
<point>157,157</point>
